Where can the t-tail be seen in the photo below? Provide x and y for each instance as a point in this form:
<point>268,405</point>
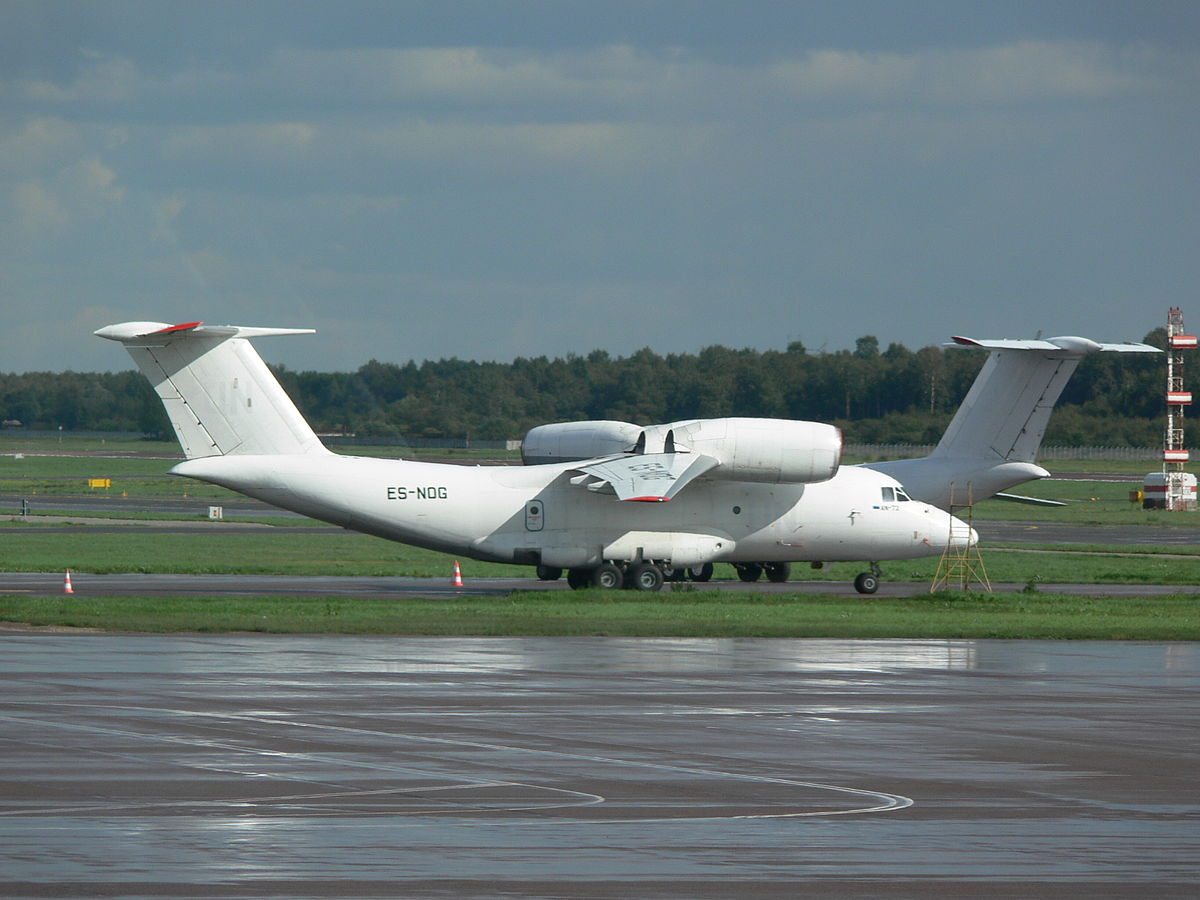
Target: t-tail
<point>219,395</point>
<point>992,442</point>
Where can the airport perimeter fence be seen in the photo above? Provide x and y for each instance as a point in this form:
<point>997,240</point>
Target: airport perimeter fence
<point>870,452</point>
<point>351,440</point>
<point>875,452</point>
<point>344,440</point>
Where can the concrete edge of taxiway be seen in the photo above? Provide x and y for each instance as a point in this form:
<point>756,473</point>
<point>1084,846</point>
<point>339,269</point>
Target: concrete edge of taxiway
<point>386,587</point>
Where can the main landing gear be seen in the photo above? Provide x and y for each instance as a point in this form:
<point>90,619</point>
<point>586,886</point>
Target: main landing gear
<point>776,572</point>
<point>650,576</point>
<point>640,576</point>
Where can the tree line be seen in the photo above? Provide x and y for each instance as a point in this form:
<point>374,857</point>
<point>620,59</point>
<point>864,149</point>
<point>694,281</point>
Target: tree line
<point>890,395</point>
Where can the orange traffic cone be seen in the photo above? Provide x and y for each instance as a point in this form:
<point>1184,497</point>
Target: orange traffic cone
<point>67,589</point>
<point>456,581</point>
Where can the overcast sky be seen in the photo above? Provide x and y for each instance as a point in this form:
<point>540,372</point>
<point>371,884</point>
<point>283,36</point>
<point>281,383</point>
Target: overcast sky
<point>497,179</point>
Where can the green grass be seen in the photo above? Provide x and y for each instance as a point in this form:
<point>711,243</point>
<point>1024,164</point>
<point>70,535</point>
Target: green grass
<point>37,477</point>
<point>250,552</point>
<point>1027,565</point>
<point>266,551</point>
<point>270,552</point>
<point>690,614</point>
<point>46,514</point>
<point>17,441</point>
<point>1089,502</point>
<point>1101,466</point>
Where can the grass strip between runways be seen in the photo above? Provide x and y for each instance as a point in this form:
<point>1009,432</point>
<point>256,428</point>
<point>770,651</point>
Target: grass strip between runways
<point>1029,615</point>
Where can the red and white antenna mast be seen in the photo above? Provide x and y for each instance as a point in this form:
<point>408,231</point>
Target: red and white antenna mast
<point>1180,494</point>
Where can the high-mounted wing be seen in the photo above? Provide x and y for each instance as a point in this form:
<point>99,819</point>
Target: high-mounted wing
<point>649,477</point>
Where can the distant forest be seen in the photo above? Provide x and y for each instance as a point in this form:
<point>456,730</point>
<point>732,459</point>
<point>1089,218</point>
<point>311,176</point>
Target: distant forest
<point>892,395</point>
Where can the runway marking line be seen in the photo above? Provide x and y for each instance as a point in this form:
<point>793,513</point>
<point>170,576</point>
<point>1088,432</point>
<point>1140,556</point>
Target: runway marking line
<point>468,783</point>
<point>887,802</point>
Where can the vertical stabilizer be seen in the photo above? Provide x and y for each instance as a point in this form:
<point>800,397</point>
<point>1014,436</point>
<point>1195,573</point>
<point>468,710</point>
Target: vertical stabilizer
<point>993,440</point>
<point>1005,413</point>
<point>219,395</point>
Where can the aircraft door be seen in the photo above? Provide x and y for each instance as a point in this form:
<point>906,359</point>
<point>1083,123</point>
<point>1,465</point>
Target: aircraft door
<point>535,515</point>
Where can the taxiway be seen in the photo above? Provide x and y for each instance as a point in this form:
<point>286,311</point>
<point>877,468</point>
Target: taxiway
<point>388,587</point>
<point>258,766</point>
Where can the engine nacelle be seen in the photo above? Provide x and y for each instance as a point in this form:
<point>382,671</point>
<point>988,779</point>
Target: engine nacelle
<point>574,441</point>
<point>776,451</point>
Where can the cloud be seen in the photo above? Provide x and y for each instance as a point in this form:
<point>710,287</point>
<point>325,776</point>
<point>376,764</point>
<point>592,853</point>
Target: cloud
<point>342,117</point>
<point>166,211</point>
<point>37,212</point>
<point>473,76</point>
<point>355,153</point>
<point>47,208</point>
<point>36,145</point>
<point>615,82</point>
<point>1025,71</point>
<point>719,197</point>
<point>274,141</point>
<point>101,80</point>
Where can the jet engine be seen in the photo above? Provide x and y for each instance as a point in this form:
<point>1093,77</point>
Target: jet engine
<point>775,451</point>
<point>573,441</point>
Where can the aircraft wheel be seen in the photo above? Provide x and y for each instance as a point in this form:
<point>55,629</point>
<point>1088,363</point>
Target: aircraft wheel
<point>579,578</point>
<point>548,573</point>
<point>748,572</point>
<point>778,572</point>
<point>866,583</point>
<point>701,573</point>
<point>645,577</point>
<point>607,576</point>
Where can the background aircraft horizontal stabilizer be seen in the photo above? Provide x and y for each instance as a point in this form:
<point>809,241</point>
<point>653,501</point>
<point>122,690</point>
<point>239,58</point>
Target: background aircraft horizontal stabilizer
<point>1028,501</point>
<point>1069,345</point>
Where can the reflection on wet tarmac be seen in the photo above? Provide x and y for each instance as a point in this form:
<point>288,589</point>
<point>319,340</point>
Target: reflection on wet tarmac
<point>346,766</point>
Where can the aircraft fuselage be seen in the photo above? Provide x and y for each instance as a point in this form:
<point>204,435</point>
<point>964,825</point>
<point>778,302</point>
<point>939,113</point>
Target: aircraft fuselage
<point>535,515</point>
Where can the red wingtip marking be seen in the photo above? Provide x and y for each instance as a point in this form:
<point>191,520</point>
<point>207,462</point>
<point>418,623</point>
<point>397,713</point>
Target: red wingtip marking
<point>187,326</point>
<point>649,499</point>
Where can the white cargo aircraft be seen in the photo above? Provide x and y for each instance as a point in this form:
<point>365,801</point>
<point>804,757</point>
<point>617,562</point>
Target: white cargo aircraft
<point>613,503</point>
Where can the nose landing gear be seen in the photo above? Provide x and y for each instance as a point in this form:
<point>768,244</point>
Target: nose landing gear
<point>868,582</point>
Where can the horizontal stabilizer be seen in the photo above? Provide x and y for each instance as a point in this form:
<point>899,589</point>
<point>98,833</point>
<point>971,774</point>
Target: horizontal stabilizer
<point>650,477</point>
<point>1029,501</point>
<point>156,334</point>
<point>1071,345</point>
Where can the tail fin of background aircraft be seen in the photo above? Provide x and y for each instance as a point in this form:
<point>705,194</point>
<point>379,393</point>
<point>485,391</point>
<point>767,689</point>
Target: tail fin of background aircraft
<point>993,439</point>
<point>219,394</point>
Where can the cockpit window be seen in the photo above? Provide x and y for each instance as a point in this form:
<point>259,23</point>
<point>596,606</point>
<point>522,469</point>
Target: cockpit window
<point>889,495</point>
<point>900,495</point>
